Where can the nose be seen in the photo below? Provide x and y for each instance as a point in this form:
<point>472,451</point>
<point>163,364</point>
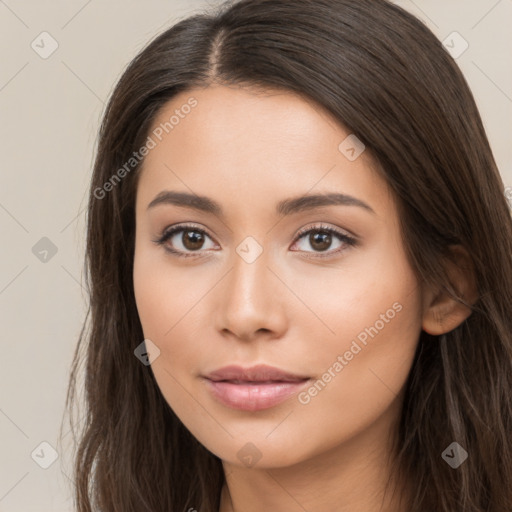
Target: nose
<point>251,301</point>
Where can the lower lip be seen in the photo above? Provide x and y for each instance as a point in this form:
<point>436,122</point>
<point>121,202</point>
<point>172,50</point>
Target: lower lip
<point>253,397</point>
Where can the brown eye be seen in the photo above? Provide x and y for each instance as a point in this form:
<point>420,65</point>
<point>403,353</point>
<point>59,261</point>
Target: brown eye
<point>320,240</point>
<point>192,239</point>
<point>185,241</point>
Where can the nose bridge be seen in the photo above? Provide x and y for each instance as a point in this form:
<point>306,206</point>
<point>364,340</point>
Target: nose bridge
<point>249,282</point>
<point>251,301</point>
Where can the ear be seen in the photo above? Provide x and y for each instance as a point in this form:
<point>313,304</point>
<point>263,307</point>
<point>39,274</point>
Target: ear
<point>442,313</point>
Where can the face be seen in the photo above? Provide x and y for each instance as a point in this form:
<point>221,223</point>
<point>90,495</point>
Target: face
<point>237,264</point>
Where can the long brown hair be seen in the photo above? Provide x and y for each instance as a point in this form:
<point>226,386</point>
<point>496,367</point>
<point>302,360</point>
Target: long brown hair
<point>387,78</point>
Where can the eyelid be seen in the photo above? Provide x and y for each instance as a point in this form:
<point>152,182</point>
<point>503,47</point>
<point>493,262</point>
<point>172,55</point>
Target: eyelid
<point>325,227</point>
<point>348,240</point>
<point>169,231</point>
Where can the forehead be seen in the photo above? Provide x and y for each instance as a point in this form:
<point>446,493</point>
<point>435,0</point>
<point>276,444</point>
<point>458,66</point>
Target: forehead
<point>258,143</point>
<point>260,119</point>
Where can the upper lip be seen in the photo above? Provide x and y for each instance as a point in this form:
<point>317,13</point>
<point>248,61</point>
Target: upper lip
<point>258,373</point>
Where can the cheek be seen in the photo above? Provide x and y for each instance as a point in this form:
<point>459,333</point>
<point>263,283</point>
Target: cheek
<point>372,298</point>
<point>170,300</point>
<point>368,379</point>
<point>363,367</point>
<point>164,308</point>
<point>164,292</point>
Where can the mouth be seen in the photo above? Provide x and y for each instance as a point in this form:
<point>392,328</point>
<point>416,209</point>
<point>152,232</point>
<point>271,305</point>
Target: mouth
<point>260,373</point>
<point>253,389</point>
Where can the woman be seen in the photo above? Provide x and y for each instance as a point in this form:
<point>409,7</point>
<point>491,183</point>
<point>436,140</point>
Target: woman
<point>299,263</point>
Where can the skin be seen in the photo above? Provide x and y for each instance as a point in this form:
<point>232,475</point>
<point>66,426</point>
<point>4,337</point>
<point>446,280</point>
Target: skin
<point>290,308</point>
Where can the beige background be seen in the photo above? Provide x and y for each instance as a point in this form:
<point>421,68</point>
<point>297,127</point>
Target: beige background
<point>50,111</point>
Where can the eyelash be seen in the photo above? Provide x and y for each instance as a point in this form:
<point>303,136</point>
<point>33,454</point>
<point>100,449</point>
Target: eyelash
<point>346,239</point>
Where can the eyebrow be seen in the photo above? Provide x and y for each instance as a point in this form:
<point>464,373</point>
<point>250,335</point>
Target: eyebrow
<point>283,208</point>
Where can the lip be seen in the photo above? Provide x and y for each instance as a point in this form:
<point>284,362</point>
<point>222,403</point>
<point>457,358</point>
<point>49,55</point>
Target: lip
<point>255,388</point>
<point>258,373</point>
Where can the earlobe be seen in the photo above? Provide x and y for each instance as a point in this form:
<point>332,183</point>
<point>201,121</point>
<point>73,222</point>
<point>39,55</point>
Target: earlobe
<point>443,312</point>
